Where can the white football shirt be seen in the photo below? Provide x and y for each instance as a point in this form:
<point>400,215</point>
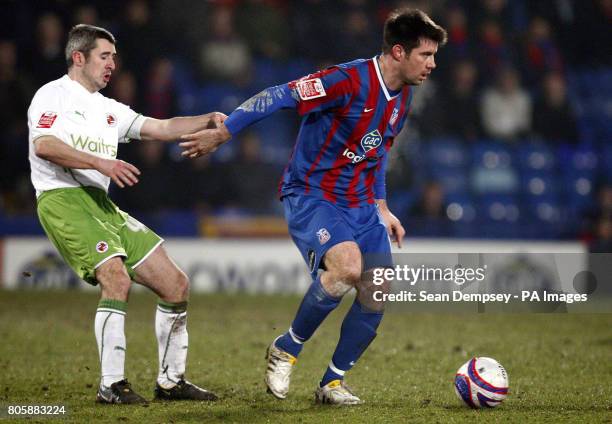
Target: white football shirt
<point>86,121</point>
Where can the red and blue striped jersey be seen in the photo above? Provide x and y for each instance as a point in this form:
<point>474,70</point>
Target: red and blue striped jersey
<point>350,120</point>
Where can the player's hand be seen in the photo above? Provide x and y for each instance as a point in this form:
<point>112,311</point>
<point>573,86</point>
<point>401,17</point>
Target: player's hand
<point>394,226</point>
<point>120,172</point>
<point>215,119</point>
<point>204,142</point>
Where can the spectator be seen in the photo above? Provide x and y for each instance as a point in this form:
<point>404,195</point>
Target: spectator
<point>459,46</point>
<point>262,178</point>
<point>553,118</point>
<point>457,105</point>
<point>204,186</point>
<point>354,39</point>
<point>506,108</point>
<point>16,90</point>
<point>225,56</point>
<point>540,53</point>
<point>124,89</point>
<point>313,23</point>
<point>160,95</point>
<point>254,15</point>
<point>47,61</point>
<point>602,242</point>
<point>494,52</point>
<point>139,39</point>
<point>86,14</point>
<point>431,204</point>
<point>428,216</point>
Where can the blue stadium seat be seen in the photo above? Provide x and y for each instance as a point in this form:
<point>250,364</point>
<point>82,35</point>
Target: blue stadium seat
<point>535,157</point>
<point>499,208</point>
<point>446,153</point>
<point>539,185</point>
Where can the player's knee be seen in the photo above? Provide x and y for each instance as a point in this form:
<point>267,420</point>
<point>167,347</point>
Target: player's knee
<point>182,286</point>
<point>114,279</point>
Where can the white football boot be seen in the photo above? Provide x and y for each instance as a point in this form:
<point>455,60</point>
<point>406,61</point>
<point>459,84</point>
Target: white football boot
<point>336,393</point>
<point>278,371</point>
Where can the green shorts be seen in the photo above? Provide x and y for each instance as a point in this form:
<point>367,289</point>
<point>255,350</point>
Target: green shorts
<point>88,229</point>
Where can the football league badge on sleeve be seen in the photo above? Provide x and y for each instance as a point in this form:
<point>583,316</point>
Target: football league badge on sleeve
<point>46,120</point>
<point>310,89</point>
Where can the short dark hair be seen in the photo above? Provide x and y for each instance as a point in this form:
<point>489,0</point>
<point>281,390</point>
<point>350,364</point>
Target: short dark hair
<point>83,38</point>
<point>406,27</point>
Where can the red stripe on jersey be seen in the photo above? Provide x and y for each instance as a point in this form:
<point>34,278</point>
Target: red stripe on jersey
<point>336,90</point>
<point>332,131</point>
<point>382,127</point>
<point>331,177</point>
<point>369,181</point>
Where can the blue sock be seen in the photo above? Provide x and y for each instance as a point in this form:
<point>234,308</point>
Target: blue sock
<point>358,331</point>
<point>315,307</point>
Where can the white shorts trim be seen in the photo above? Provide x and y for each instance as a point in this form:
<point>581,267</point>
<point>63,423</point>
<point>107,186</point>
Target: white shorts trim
<point>109,257</point>
<point>144,258</point>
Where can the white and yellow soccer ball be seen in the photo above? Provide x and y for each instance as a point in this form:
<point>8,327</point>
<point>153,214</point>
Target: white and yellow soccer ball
<point>481,383</point>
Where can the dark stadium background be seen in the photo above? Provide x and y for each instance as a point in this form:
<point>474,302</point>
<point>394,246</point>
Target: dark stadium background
<point>543,172</point>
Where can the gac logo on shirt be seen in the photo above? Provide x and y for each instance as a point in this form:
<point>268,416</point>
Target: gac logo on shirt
<point>371,140</point>
<point>111,120</point>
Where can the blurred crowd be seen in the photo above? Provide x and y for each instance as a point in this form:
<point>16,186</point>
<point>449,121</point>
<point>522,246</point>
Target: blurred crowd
<point>514,73</point>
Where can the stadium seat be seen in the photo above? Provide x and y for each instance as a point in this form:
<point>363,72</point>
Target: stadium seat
<point>535,157</point>
<point>499,208</point>
<point>446,153</point>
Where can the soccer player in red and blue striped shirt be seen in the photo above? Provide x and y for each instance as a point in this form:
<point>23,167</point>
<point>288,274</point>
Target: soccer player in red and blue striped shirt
<point>333,188</point>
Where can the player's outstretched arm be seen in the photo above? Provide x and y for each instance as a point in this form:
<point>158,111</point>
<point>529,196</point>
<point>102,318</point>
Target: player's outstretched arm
<point>204,142</point>
<point>394,226</point>
<point>256,108</point>
<point>54,150</point>
<point>171,129</point>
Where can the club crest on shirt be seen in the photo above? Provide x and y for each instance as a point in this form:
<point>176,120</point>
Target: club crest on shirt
<point>323,235</point>
<point>111,120</point>
<point>310,88</point>
<point>101,247</point>
<point>46,120</point>
<point>394,116</point>
<point>371,140</point>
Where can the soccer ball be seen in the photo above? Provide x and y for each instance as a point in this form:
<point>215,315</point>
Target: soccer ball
<point>481,383</point>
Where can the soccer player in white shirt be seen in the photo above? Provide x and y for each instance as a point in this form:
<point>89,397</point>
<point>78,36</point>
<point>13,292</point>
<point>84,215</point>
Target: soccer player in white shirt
<point>74,135</point>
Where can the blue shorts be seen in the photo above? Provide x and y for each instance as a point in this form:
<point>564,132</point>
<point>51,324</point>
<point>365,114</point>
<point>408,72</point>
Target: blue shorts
<point>316,225</point>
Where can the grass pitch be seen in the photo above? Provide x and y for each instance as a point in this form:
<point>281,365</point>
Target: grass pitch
<point>560,365</point>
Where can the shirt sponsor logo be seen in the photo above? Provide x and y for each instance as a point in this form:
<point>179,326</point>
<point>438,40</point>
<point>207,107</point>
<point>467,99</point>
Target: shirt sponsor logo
<point>46,120</point>
<point>101,247</point>
<point>91,145</point>
<point>310,89</point>
<point>111,120</point>
<point>323,235</point>
<point>371,141</point>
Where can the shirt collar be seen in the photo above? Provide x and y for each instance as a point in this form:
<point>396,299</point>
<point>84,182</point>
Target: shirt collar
<point>76,86</point>
<point>385,90</point>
